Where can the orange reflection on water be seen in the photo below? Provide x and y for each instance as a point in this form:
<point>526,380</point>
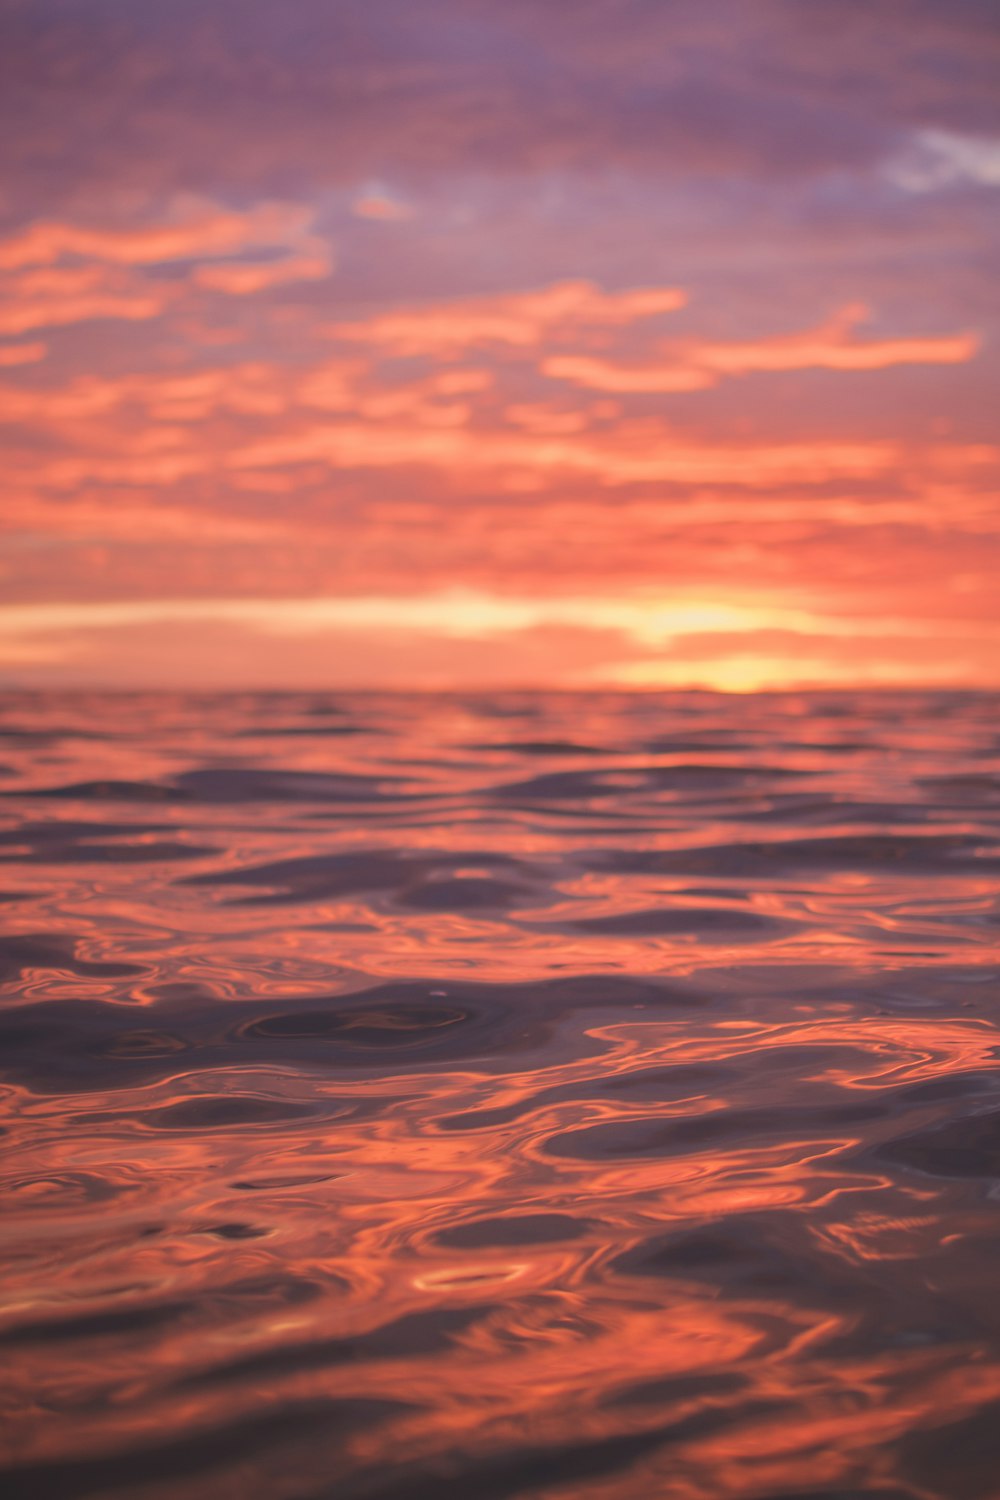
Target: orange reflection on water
<point>590,1095</point>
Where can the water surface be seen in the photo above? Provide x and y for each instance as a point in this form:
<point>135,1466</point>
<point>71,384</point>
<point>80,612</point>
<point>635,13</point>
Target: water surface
<point>539,1096</point>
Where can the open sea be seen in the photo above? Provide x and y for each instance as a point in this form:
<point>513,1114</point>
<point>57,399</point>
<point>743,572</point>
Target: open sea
<point>536,1096</point>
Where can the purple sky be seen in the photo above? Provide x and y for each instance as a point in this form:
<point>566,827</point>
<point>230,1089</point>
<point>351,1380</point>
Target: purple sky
<point>443,342</point>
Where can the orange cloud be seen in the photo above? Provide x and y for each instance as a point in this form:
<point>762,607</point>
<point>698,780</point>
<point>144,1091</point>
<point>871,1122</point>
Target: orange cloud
<point>60,274</point>
<point>696,366</point>
<point>520,319</point>
<point>380,206</point>
<point>158,428</point>
<point>22,354</point>
<point>601,375</point>
<point>240,279</point>
<point>636,453</point>
<point>831,347</point>
<point>57,297</point>
<point>254,389</point>
<point>351,477</point>
<point>127,518</point>
<point>196,230</point>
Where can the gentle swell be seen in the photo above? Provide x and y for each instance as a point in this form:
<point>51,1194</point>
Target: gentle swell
<point>414,1097</point>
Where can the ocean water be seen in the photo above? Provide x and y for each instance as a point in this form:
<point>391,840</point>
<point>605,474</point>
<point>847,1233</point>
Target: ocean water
<point>409,1098</point>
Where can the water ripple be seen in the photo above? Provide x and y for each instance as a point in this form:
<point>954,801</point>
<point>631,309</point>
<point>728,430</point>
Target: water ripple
<point>591,1095</point>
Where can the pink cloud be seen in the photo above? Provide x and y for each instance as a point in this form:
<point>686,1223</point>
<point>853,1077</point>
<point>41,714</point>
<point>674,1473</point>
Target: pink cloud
<point>192,231</point>
<point>57,274</point>
<point>56,297</point>
<point>519,319</point>
<point>242,279</point>
<point>694,365</point>
<point>22,354</point>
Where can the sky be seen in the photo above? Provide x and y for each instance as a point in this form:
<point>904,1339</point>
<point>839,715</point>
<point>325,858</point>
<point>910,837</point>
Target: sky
<point>499,343</point>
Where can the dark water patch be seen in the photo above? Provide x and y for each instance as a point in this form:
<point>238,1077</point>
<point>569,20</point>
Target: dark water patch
<point>415,1335</point>
<point>38,836</point>
<point>584,786</point>
<point>106,1324</point>
<point>952,1086</point>
<point>513,1229</point>
<point>413,879</point>
<point>224,785</point>
<point>62,1192</point>
<point>673,1390</point>
<point>198,1451</point>
<point>831,747</point>
<point>286,1180</point>
<point>327,709</point>
<point>505,1474</point>
<point>393,1027</point>
<point>827,810</point>
<point>430,1023</point>
<point>32,739</point>
<point>315,731</point>
<point>79,1046</point>
<point>217,1111</point>
<point>235,1230</point>
<point>138,1044</point>
<point>720,743</point>
<point>742,1259</point>
<point>106,791</point>
<point>909,989</point>
<point>538,747</point>
<point>466,893</point>
<point>82,852</point>
<point>738,1128</point>
<point>662,921</point>
<point>254,1294</point>
<point>920,853</point>
<point>960,1458</point>
<point>881,1493</point>
<point>84,1045</point>
<point>956,1148</point>
<point>731,1254</point>
<point>237,784</point>
<point>974,789</point>
<point>655,1084</point>
<point>317,877</point>
<point>48,951</point>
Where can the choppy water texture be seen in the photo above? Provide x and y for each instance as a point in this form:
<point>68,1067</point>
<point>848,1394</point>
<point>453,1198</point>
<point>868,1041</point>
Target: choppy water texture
<point>410,1098</point>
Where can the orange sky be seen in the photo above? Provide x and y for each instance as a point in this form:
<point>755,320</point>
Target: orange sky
<point>445,344</point>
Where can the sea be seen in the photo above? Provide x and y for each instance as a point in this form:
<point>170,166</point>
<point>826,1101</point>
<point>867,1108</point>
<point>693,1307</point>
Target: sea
<point>505,1097</point>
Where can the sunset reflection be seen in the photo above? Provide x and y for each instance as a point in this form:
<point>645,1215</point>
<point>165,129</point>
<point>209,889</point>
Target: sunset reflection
<point>499,750</point>
<point>588,1091</point>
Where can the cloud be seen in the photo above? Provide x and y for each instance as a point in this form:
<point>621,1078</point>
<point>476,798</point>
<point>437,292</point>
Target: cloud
<point>602,375</point>
<point>518,319</point>
<point>382,206</point>
<point>193,231</point>
<point>239,279</point>
<point>58,274</point>
<point>566,255</point>
<point>53,298</point>
<point>468,424</point>
<point>358,94</point>
<point>695,366</point>
<point>22,354</point>
<point>636,454</point>
<point>934,159</point>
